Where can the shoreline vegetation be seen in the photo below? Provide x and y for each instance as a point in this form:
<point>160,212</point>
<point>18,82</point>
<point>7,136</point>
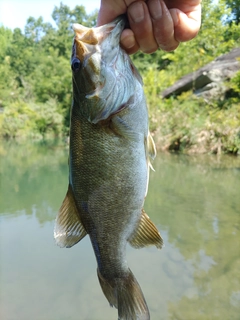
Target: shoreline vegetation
<point>35,82</point>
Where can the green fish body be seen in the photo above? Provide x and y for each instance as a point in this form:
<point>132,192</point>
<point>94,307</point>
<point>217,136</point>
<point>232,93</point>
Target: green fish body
<point>109,152</point>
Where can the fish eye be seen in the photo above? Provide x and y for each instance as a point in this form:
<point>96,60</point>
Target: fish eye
<point>76,64</point>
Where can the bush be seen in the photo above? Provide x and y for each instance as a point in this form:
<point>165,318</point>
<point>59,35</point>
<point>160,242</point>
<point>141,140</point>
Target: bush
<point>21,119</point>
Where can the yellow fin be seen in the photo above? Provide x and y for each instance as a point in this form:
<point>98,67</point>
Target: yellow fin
<point>150,149</point>
<point>146,234</point>
<point>68,228</point>
<point>151,146</point>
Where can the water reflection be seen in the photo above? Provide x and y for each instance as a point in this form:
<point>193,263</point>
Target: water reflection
<point>32,177</point>
<point>194,201</point>
<point>198,202</point>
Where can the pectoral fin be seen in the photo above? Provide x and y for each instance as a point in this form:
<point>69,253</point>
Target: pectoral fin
<point>151,152</point>
<point>121,128</point>
<point>151,147</point>
<point>146,234</point>
<point>68,228</point>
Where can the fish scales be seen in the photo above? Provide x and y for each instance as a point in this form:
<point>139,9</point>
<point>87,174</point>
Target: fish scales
<point>109,153</point>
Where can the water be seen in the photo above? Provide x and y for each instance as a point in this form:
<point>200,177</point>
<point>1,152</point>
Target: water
<point>194,201</point>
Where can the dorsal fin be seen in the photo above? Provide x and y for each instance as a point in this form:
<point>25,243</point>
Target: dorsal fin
<point>146,234</point>
<point>68,228</point>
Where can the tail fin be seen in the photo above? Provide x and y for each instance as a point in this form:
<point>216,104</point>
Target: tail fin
<point>126,295</point>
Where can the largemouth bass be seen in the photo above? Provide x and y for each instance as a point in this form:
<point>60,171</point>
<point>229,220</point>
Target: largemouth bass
<point>109,159</point>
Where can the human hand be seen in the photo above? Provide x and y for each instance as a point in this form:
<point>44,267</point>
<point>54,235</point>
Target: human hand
<point>154,23</point>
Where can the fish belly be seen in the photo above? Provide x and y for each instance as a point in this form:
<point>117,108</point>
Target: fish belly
<point>108,175</point>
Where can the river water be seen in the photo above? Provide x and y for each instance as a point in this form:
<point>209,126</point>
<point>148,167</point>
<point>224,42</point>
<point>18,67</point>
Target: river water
<point>195,203</point>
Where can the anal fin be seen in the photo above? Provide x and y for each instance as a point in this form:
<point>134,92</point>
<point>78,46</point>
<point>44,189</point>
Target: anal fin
<point>146,234</point>
<point>68,228</point>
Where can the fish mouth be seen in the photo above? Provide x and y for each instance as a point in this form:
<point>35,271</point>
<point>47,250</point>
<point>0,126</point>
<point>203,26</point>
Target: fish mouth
<point>85,37</point>
<point>98,34</point>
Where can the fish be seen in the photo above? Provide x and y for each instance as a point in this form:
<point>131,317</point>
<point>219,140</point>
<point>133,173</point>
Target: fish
<point>110,153</point>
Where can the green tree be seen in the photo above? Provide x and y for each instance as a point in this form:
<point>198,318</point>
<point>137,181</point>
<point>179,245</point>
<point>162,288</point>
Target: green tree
<point>64,18</point>
<point>234,5</point>
<point>8,85</point>
<point>35,72</point>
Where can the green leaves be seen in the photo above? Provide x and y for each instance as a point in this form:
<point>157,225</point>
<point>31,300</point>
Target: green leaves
<point>234,6</point>
<point>35,74</point>
<point>31,120</point>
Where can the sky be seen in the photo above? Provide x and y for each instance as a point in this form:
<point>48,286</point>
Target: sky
<point>14,13</point>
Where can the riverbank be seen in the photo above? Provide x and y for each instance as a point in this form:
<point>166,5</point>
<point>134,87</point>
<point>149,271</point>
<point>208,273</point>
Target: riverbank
<point>190,125</point>
<point>186,124</point>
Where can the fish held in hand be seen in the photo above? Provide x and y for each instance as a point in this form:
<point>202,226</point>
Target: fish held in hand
<point>109,160</point>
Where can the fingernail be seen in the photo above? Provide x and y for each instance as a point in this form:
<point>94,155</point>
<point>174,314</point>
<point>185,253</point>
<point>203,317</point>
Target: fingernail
<point>155,9</point>
<point>136,12</point>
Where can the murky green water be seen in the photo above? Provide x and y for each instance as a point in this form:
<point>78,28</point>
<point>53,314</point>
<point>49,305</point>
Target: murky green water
<point>195,202</point>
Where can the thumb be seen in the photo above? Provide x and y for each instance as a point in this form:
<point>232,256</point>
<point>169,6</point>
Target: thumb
<point>186,26</point>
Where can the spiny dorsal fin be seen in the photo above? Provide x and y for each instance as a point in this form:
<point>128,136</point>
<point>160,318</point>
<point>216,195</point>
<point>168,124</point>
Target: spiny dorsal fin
<point>146,234</point>
<point>68,228</point>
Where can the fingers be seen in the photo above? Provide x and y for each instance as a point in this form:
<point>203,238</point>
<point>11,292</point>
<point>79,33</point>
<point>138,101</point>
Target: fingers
<point>186,25</point>
<point>163,25</point>
<point>128,41</point>
<point>109,10</point>
<point>152,26</point>
<point>141,25</point>
<point>155,23</point>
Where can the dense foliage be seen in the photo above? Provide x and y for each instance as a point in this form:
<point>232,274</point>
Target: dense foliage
<point>35,79</point>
